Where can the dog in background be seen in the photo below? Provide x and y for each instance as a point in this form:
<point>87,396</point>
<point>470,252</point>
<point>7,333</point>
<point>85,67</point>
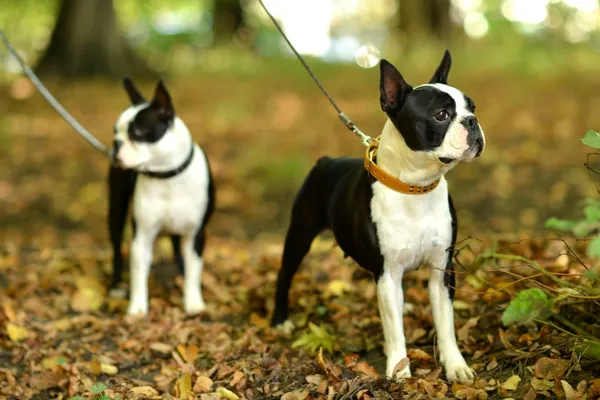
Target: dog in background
<point>392,211</point>
<point>159,167</point>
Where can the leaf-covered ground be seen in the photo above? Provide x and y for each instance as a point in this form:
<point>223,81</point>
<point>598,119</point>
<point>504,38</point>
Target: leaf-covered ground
<point>61,334</point>
<point>263,127</point>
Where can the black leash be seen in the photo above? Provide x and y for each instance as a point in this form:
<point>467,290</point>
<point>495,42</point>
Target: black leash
<point>91,139</point>
<point>365,139</point>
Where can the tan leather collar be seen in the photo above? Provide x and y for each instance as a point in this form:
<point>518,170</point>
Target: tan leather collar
<point>388,180</point>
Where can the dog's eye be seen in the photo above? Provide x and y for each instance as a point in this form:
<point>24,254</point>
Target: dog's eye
<point>442,115</point>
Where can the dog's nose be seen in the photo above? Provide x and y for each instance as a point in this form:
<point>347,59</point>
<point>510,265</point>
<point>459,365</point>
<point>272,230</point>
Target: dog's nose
<point>470,122</point>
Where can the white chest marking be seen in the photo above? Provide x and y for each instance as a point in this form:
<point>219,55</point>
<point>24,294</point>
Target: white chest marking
<point>412,229</point>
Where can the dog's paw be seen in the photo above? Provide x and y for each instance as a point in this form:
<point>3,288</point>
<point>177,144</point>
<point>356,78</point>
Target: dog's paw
<point>194,306</point>
<point>137,309</point>
<point>459,371</point>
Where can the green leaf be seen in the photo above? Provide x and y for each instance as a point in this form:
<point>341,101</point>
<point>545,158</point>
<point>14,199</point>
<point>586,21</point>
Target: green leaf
<point>530,304</point>
<point>105,397</point>
<point>592,139</point>
<point>316,337</point>
<point>592,211</point>
<point>593,249</point>
<point>78,398</point>
<point>589,349</point>
<point>564,225</point>
<point>98,387</point>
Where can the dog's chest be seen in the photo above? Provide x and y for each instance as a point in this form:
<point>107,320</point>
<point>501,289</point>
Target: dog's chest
<point>412,229</point>
<point>175,205</point>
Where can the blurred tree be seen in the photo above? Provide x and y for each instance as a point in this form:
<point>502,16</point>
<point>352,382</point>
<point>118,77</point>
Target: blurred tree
<point>86,41</point>
<point>420,18</point>
<point>228,18</point>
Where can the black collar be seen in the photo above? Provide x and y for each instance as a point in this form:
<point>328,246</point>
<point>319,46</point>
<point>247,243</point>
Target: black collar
<point>172,172</point>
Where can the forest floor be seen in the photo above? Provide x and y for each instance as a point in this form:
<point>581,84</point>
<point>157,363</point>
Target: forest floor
<point>61,336</point>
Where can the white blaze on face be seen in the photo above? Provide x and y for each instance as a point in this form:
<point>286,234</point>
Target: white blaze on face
<point>455,143</point>
<point>131,154</point>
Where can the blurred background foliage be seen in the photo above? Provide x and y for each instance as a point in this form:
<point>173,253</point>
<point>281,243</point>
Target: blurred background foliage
<point>531,66</point>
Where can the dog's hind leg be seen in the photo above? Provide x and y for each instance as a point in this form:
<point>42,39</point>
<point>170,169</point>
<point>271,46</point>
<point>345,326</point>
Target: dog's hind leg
<point>193,247</point>
<point>306,223</point>
<point>176,242</point>
<point>121,184</point>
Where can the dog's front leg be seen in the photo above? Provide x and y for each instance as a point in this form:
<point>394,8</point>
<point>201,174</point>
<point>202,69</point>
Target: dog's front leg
<point>391,301</point>
<point>443,317</point>
<point>193,264</point>
<point>141,260</point>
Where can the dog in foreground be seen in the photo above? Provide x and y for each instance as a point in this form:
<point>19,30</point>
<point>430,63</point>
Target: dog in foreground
<point>158,165</point>
<point>392,211</point>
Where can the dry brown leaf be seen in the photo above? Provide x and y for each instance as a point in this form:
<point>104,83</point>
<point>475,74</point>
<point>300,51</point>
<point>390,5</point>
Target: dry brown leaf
<point>364,368</point>
<point>144,390</point>
<point>203,384</point>
<point>468,393</point>
<point>492,365</point>
<point>297,395</point>
<point>551,368</point>
<point>511,383</point>
<point>402,364</point>
<point>9,312</point>
<point>159,347</point>
<point>530,395</point>
<point>237,377</point>
<point>541,384</point>
<point>463,332</point>
<point>504,339</point>
<point>595,387</point>
<point>417,334</point>
<point>416,354</point>
<point>188,353</point>
<point>570,393</point>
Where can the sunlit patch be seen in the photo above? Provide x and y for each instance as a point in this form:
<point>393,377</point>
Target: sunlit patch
<point>532,12</point>
<point>476,25</point>
<point>367,56</point>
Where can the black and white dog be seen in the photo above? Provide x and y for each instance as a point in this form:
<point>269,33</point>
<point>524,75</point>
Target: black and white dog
<point>430,129</point>
<point>168,176</point>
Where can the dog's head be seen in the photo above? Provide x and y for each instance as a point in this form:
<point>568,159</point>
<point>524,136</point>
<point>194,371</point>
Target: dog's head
<point>147,133</point>
<point>434,118</point>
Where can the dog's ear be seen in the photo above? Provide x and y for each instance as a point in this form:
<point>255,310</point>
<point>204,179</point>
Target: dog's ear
<point>134,94</point>
<point>394,89</point>
<point>441,74</point>
<point>162,101</point>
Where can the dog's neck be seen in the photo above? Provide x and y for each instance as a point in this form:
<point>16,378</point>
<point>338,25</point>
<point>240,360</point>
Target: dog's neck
<point>173,148</point>
<point>411,167</point>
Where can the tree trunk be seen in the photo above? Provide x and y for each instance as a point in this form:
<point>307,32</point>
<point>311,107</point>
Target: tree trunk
<point>86,41</point>
<point>424,18</point>
<point>228,18</point>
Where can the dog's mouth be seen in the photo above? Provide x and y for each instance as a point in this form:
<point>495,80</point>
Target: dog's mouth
<point>446,160</point>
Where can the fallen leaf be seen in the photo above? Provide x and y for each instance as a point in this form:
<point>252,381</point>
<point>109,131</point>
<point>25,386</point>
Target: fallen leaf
<point>108,369</point>
<point>203,384</point>
<point>463,332</point>
<point>541,384</point>
<point>16,333</point>
<point>511,383</point>
<point>492,365</point>
<point>237,377</point>
<point>163,348</point>
<point>51,362</point>
<point>402,364</point>
<point>188,353</point>
<point>144,390</point>
<point>226,394</point>
<point>570,393</point>
<point>297,395</point>
<point>183,387</point>
<point>337,288</point>
<point>364,368</point>
<point>551,368</point>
